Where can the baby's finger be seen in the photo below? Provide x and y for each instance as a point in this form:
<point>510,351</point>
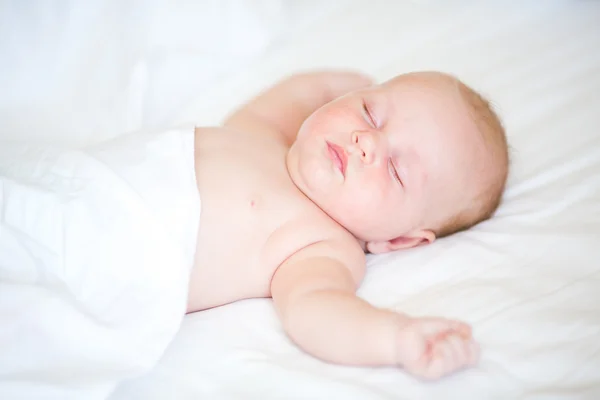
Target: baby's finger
<point>446,355</point>
<point>437,366</point>
<point>474,353</point>
<point>459,349</point>
<point>462,328</point>
<point>436,327</point>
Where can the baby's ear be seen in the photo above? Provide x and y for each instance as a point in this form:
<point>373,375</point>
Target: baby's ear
<point>416,238</point>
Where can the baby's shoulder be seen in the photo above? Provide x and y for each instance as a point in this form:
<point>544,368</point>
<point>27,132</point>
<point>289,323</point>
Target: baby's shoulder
<point>314,233</point>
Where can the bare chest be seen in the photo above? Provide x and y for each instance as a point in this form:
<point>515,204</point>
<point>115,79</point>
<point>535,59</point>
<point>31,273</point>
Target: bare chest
<point>249,205</point>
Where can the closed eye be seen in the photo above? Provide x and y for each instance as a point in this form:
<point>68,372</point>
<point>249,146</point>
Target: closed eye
<point>368,115</point>
<point>394,172</point>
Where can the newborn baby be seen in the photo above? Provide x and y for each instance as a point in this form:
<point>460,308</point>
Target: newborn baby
<point>304,179</point>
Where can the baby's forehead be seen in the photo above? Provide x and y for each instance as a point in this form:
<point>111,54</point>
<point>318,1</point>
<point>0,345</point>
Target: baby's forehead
<point>429,90</point>
<point>429,79</point>
<point>424,106</point>
<point>428,107</point>
<point>434,123</point>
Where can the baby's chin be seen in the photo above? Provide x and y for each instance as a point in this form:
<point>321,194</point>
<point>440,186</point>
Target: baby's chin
<point>306,184</point>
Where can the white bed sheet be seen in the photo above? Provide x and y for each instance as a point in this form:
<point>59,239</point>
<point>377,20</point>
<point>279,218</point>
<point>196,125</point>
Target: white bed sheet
<point>528,280</point>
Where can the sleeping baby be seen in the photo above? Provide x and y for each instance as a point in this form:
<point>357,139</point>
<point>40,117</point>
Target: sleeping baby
<point>324,167</point>
<point>103,248</point>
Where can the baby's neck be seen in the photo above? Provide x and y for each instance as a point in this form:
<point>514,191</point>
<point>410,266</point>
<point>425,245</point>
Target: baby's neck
<point>363,245</point>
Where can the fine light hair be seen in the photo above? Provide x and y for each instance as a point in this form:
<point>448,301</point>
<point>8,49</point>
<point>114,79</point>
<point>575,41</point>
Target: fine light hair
<point>488,195</point>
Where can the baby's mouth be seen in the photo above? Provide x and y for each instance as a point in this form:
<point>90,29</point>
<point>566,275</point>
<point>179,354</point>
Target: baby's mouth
<point>338,155</point>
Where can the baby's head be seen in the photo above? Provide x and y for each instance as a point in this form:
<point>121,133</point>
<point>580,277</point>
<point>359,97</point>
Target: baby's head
<point>398,164</point>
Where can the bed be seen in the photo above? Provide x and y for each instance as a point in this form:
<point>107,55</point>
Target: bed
<point>528,280</point>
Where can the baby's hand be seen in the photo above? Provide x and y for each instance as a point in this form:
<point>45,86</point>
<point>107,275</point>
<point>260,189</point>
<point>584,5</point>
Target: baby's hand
<point>430,348</point>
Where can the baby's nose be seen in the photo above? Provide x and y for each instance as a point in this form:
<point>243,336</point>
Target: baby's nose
<point>365,144</point>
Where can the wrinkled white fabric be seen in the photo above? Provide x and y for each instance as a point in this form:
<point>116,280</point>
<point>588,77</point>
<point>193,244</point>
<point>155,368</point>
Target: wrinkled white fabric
<point>96,247</point>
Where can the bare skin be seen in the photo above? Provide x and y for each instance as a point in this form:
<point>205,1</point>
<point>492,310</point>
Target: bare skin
<point>265,232</point>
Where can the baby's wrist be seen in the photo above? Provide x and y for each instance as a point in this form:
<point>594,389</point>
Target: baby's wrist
<point>400,321</point>
<point>383,335</point>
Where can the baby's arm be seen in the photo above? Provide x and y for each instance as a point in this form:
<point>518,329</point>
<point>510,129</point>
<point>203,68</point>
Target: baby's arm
<point>284,106</point>
<point>315,297</point>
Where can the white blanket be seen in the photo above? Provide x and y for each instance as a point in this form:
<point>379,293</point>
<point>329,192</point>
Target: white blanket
<point>96,247</point>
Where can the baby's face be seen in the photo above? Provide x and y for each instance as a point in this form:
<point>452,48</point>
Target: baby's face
<point>388,160</point>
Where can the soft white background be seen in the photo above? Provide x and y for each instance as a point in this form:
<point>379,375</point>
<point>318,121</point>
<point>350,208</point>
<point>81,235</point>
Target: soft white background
<point>81,71</point>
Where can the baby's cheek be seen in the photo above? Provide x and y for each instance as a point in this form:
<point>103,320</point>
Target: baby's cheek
<point>374,186</point>
<point>364,200</point>
<point>310,127</point>
<point>334,123</point>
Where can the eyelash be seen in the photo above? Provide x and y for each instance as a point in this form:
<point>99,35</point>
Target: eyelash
<point>395,172</point>
<point>374,124</point>
<point>369,116</point>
